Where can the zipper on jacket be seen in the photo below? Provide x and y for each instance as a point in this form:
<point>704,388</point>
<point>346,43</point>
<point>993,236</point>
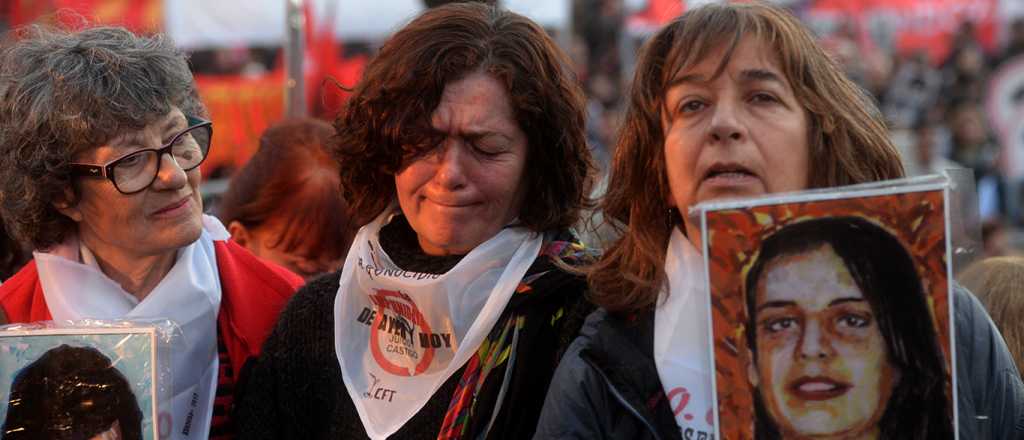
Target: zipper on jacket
<point>622,400</point>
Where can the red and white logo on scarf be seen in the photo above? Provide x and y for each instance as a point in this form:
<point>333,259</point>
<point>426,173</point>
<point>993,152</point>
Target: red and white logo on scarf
<point>399,335</point>
<point>396,327</point>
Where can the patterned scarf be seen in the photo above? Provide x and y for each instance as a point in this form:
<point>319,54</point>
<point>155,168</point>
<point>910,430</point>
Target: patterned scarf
<point>499,349</point>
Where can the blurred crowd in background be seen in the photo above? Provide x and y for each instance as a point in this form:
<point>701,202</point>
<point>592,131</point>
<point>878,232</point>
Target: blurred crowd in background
<point>951,99</point>
<point>947,107</point>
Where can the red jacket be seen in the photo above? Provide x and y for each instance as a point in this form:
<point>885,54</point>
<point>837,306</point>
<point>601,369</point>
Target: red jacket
<point>253,294</point>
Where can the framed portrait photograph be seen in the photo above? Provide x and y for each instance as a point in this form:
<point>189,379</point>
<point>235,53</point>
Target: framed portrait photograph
<point>830,314</point>
<point>89,383</point>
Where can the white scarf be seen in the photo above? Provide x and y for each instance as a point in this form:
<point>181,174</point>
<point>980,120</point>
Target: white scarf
<point>189,295</point>
<point>400,335</point>
<point>682,353</point>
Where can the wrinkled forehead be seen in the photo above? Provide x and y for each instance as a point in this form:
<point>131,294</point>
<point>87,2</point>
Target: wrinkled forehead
<point>475,101</point>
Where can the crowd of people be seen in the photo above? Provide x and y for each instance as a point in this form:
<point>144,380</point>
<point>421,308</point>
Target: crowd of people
<point>415,269</point>
<point>937,110</point>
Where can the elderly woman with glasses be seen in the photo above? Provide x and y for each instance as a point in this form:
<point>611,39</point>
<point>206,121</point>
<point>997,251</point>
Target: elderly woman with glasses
<point>101,138</point>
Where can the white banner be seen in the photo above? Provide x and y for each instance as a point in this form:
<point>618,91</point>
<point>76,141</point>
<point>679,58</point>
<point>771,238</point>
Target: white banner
<point>196,24</point>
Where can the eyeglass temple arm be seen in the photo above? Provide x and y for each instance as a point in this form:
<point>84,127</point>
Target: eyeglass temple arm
<point>81,169</point>
<point>193,121</point>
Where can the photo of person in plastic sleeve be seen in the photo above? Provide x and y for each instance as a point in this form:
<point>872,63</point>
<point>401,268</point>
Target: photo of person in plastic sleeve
<point>840,337</point>
<point>72,393</point>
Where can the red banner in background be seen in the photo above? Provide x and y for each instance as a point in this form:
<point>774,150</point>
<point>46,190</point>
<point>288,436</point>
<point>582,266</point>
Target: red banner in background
<point>903,25</point>
<point>912,25</point>
<point>145,16</point>
<point>329,76</point>
<point>656,14</point>
<point>241,108</point>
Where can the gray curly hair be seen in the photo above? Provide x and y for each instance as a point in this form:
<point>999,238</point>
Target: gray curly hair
<point>62,93</point>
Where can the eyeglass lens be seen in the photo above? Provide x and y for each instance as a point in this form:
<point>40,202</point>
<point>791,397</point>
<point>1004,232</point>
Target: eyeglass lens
<point>135,172</point>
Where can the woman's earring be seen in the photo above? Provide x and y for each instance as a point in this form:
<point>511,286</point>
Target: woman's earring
<point>674,218</point>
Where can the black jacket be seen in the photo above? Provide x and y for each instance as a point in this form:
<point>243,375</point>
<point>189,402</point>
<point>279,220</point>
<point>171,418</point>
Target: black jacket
<point>607,386</point>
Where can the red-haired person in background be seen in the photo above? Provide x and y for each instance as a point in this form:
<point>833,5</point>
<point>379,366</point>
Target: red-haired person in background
<point>284,204</point>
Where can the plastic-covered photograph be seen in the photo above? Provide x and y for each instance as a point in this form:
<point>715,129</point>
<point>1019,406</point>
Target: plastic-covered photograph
<point>82,383</point>
<point>830,315</point>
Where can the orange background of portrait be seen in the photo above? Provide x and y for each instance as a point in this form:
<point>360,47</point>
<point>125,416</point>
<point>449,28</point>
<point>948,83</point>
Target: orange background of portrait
<point>917,219</point>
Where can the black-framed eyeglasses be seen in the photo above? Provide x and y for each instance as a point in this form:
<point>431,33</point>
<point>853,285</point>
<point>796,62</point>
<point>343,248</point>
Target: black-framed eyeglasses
<point>135,171</point>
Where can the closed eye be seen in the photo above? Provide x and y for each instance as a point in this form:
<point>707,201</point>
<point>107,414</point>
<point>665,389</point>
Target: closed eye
<point>485,151</point>
<point>487,144</point>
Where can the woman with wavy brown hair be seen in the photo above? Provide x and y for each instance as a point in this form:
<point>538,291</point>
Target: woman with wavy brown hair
<point>462,153</point>
<point>728,100</point>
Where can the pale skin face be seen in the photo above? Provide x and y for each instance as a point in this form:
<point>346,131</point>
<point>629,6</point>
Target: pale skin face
<point>740,134</point>
<point>135,237</point>
<point>821,365</point>
<point>468,188</point>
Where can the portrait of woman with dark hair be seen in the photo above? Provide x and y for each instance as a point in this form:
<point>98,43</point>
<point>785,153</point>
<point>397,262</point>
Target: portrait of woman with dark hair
<point>72,393</point>
<point>832,353</point>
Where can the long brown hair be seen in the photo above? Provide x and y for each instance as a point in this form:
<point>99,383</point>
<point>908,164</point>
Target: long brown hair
<point>847,136</point>
<point>997,282</point>
<point>387,121</point>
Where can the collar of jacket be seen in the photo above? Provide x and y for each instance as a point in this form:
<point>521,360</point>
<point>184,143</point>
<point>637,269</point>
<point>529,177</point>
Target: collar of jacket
<point>621,351</point>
